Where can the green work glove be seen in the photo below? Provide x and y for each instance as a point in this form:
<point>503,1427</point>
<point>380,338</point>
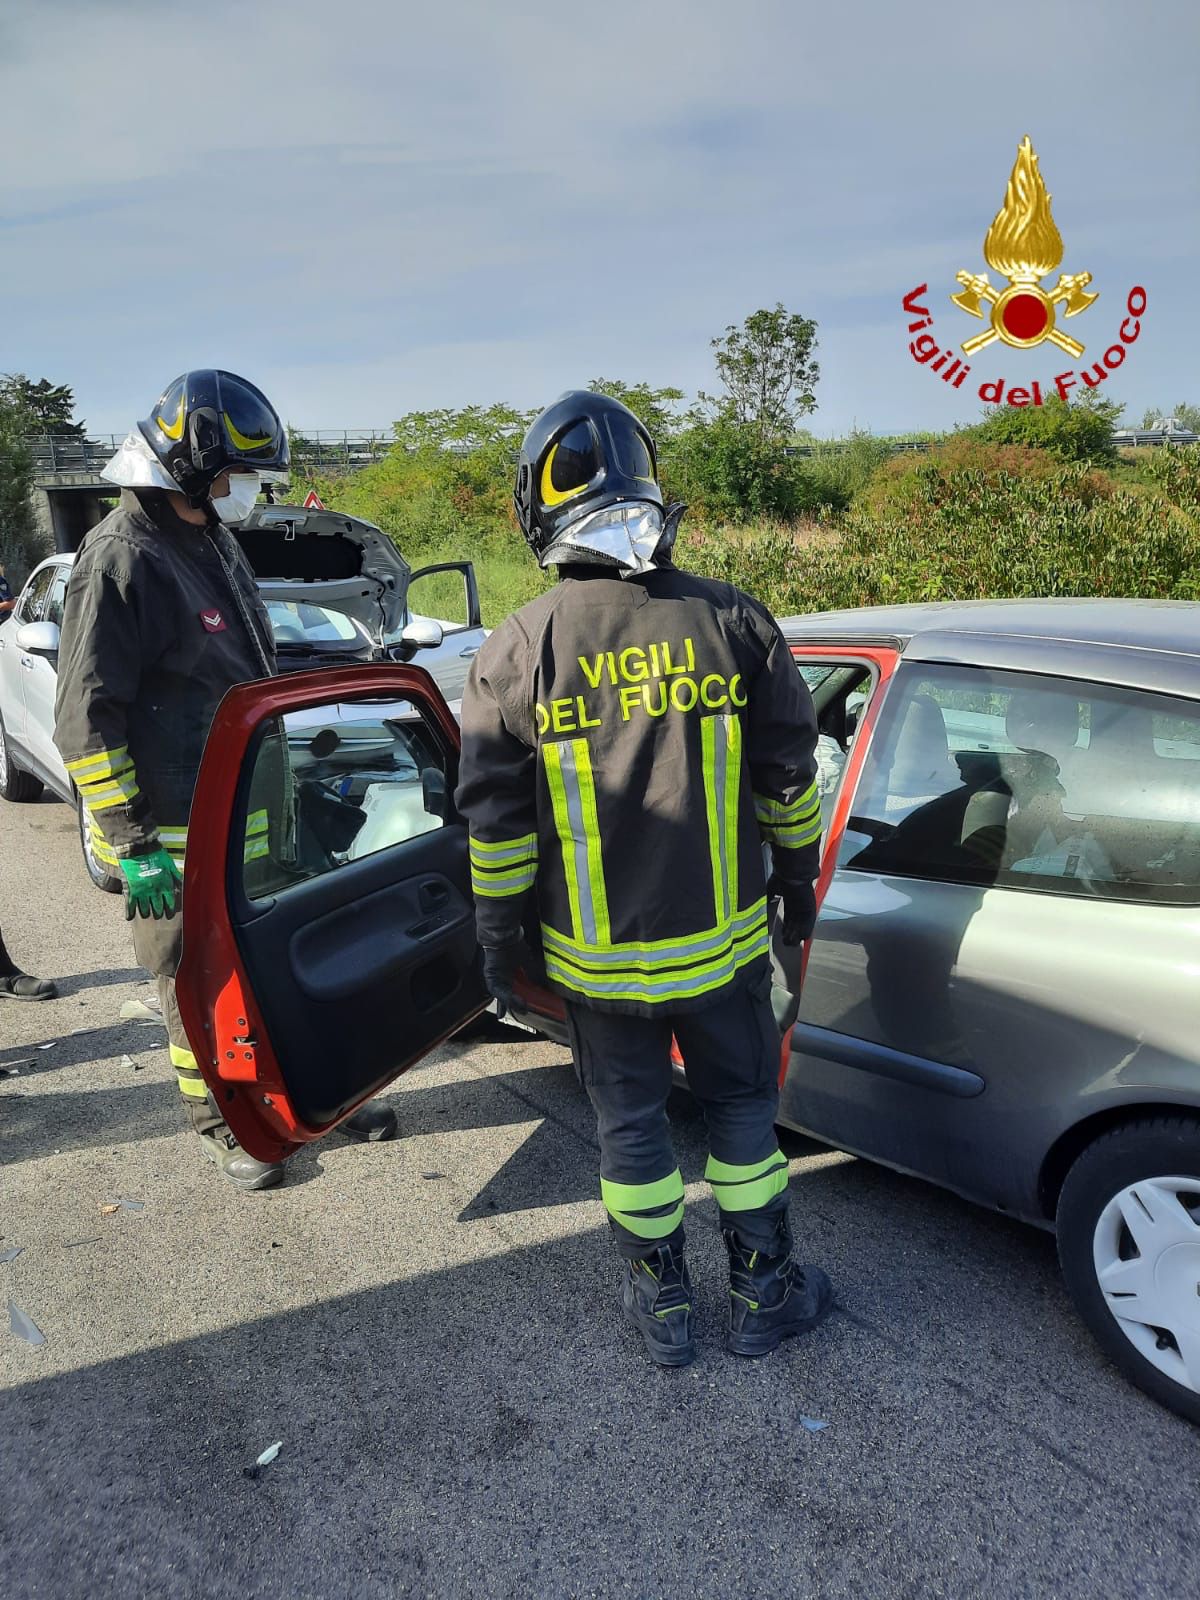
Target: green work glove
<point>152,885</point>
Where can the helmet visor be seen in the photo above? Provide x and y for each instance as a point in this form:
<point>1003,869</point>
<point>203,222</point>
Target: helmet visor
<point>252,430</point>
<point>632,450</point>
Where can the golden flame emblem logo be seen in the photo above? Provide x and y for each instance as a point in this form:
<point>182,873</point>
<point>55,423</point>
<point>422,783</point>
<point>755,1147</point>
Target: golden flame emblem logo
<point>1024,246</point>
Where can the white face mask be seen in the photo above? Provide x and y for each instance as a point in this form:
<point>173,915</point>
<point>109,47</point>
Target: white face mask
<point>237,505</point>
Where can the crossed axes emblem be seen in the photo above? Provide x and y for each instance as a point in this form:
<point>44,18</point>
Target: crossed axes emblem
<point>1071,288</point>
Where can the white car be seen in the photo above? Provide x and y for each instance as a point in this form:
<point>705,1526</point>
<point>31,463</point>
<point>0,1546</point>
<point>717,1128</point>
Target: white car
<point>337,591</point>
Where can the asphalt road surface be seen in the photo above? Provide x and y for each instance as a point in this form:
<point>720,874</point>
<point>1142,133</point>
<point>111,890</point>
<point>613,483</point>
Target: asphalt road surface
<point>430,1329</point>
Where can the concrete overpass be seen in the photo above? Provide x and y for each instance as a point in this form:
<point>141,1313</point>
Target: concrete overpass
<point>70,496</point>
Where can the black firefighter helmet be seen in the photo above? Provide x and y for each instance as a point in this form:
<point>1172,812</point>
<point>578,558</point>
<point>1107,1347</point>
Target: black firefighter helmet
<point>209,420</point>
<point>585,452</point>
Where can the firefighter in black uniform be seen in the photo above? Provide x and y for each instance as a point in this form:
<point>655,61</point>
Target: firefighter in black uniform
<point>162,617</point>
<point>630,739</point>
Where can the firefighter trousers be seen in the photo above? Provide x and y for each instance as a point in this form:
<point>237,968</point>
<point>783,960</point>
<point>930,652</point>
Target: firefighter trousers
<point>158,945</point>
<point>730,1052</point>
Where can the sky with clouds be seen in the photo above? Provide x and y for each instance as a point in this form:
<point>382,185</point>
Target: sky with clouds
<point>376,207</point>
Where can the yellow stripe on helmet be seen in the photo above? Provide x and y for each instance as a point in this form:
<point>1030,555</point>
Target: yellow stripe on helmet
<point>174,430</point>
<point>243,441</point>
<point>550,495</point>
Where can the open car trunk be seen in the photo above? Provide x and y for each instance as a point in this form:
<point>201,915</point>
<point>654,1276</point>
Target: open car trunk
<point>330,560</point>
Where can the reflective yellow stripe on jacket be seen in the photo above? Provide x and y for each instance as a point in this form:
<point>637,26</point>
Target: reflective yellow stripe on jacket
<point>105,778</point>
<point>503,866</point>
<point>588,960</point>
<point>793,825</point>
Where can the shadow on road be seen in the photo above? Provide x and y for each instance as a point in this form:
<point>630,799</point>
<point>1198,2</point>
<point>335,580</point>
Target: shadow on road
<point>491,1428</point>
<point>89,1044</point>
<point>81,982</point>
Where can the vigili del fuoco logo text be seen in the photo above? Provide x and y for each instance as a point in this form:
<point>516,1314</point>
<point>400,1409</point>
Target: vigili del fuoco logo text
<point>1022,246</point>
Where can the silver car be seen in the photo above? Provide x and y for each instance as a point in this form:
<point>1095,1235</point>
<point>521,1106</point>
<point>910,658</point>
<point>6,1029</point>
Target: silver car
<point>336,589</point>
<point>1000,994</point>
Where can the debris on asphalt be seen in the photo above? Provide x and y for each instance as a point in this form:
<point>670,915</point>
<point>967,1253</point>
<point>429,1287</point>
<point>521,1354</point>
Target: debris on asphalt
<point>131,1205</point>
<point>13,1069</point>
<point>107,1210</point>
<point>49,1045</point>
<point>128,1061</point>
<point>11,1254</point>
<point>812,1424</point>
<point>264,1460</point>
<point>143,1011</point>
<point>428,1175</point>
<point>70,1244</point>
<point>24,1327</point>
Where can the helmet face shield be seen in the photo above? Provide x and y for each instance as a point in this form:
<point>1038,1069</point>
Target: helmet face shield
<point>249,423</point>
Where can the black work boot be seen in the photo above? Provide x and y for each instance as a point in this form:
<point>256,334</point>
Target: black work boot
<point>770,1297</point>
<point>242,1170</point>
<point>373,1121</point>
<point>657,1298</point>
<point>16,985</point>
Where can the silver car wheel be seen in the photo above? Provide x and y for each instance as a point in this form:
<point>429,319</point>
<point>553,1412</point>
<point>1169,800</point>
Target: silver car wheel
<point>1146,1250</point>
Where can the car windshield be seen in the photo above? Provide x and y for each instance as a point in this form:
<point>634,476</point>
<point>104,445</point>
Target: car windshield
<point>299,622</point>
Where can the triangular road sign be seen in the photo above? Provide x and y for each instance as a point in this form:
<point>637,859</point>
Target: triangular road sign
<point>313,501</point>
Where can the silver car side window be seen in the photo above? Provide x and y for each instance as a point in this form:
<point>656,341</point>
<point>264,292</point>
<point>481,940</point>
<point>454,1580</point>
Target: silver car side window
<point>1017,781</point>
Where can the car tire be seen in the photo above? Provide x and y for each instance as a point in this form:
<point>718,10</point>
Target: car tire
<point>15,784</point>
<point>1128,1226</point>
<point>96,870</point>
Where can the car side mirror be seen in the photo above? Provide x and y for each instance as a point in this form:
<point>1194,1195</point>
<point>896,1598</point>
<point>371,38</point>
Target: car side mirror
<point>422,633</point>
<point>39,638</point>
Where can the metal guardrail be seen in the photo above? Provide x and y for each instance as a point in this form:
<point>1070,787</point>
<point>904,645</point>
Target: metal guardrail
<point>348,450</point>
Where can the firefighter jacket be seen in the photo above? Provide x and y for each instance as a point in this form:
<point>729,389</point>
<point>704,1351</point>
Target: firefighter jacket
<point>161,619</point>
<point>627,746</point>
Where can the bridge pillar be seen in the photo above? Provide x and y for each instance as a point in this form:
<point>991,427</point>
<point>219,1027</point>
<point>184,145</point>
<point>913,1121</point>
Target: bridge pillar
<point>67,506</point>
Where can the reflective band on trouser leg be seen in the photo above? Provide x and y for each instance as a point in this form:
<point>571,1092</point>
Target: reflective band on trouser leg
<point>174,842</point>
<point>647,1210</point>
<point>256,836</point>
<point>738,1188</point>
<point>504,866</point>
<point>721,759</point>
<point>191,1084</point>
<point>793,824</point>
<point>573,800</point>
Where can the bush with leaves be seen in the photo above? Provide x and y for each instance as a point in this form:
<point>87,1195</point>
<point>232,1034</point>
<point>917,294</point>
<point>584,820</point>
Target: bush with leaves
<point>1079,432</point>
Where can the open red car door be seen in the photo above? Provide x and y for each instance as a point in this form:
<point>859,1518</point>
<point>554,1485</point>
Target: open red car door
<point>329,934</point>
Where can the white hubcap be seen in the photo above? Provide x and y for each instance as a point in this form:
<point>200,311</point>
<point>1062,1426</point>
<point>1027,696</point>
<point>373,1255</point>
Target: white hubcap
<point>1146,1251</point>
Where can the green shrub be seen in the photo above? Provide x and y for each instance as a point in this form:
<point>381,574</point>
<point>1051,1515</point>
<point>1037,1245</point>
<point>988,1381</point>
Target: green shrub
<point>1080,432</point>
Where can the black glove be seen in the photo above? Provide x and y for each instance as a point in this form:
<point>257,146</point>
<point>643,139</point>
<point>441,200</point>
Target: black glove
<point>799,908</point>
<point>500,963</point>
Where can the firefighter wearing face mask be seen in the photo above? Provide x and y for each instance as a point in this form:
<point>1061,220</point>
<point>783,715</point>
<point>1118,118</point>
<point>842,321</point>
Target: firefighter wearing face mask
<point>162,617</point>
<point>629,740</point>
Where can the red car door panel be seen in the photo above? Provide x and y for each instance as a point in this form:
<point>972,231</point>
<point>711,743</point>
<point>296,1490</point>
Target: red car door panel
<point>316,973</point>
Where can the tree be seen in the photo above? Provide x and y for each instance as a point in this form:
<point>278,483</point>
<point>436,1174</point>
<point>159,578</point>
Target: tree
<point>655,407</point>
<point>769,373</point>
<point>18,532</point>
<point>50,407</point>
<point>1187,416</point>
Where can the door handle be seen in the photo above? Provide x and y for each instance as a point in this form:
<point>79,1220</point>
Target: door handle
<point>471,650</point>
<point>27,663</point>
<point>432,896</point>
